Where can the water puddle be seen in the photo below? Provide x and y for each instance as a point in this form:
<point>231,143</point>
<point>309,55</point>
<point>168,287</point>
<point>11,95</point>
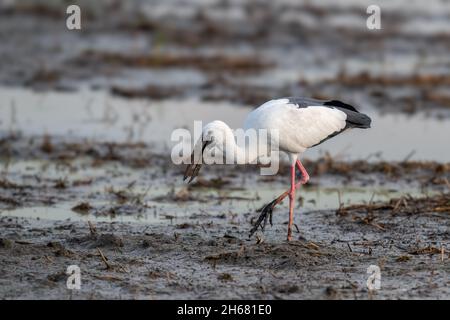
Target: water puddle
<point>99,116</point>
<point>226,205</point>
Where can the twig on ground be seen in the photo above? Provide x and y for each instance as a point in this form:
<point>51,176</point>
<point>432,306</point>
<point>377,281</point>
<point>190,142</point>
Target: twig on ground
<point>92,228</point>
<point>104,259</point>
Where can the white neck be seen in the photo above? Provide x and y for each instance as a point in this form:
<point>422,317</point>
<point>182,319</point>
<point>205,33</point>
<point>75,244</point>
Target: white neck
<point>239,153</point>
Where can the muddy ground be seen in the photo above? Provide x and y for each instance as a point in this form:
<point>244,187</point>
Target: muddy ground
<point>86,177</point>
<point>213,259</point>
<point>206,252</point>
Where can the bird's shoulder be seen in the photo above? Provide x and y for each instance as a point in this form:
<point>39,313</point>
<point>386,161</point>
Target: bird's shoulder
<point>305,102</point>
<point>301,109</point>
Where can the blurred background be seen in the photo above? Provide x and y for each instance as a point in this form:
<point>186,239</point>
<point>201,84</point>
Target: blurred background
<point>86,118</point>
<point>139,69</point>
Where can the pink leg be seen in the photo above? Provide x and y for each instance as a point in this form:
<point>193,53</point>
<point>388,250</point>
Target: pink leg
<point>305,175</point>
<point>266,212</point>
<point>291,204</point>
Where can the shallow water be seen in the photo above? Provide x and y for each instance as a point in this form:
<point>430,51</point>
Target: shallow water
<point>99,116</point>
<point>225,204</point>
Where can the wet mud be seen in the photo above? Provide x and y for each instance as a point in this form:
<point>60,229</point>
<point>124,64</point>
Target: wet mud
<point>137,231</point>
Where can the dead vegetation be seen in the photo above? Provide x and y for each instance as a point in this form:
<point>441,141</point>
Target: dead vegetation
<point>61,151</point>
<point>425,172</point>
<point>439,203</point>
<point>207,63</point>
<point>415,80</point>
<point>150,92</point>
<point>83,208</point>
<point>376,214</point>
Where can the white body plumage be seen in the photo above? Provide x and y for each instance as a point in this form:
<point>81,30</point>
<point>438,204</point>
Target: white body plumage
<point>298,128</point>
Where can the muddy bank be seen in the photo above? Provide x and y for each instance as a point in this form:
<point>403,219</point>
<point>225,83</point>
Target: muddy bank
<point>15,146</point>
<point>211,258</point>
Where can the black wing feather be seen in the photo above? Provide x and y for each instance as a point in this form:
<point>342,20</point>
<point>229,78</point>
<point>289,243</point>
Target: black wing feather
<point>355,119</point>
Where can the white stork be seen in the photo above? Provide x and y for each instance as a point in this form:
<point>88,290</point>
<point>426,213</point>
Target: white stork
<point>301,123</point>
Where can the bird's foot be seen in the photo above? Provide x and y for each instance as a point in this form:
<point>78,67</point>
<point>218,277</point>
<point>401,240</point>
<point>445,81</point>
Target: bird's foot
<point>266,215</point>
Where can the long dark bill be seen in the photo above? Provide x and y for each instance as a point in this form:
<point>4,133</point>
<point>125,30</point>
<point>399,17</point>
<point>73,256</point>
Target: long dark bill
<point>193,168</point>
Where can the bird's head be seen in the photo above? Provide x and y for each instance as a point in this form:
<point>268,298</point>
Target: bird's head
<point>213,142</point>
<point>216,134</point>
